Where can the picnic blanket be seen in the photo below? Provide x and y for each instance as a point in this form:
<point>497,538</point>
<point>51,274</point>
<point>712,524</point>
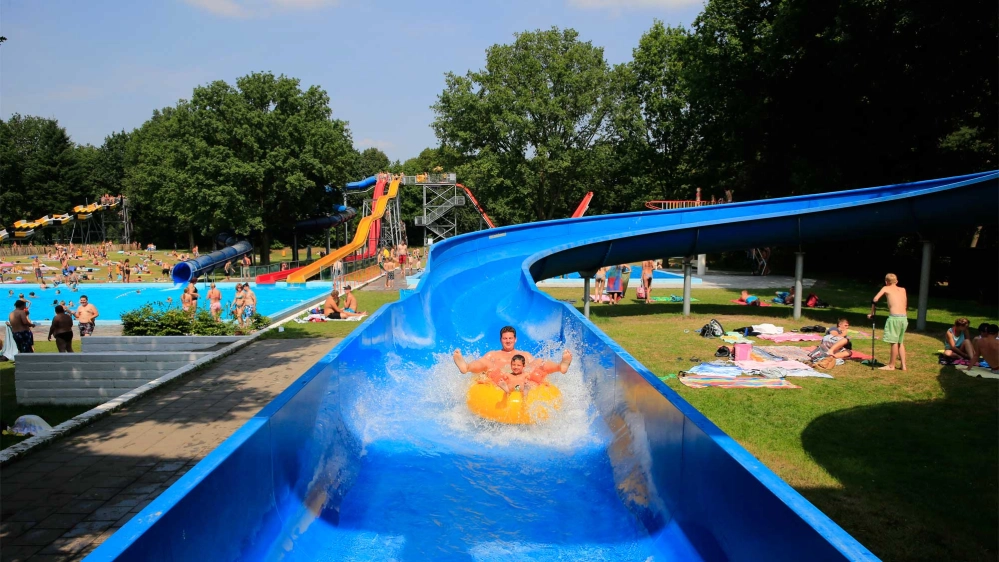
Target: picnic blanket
<point>762,303</point>
<point>705,381</point>
<point>789,365</point>
<point>736,339</point>
<point>791,336</point>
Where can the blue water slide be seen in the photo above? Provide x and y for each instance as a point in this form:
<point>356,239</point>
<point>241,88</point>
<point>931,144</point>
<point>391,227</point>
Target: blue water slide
<point>363,184</point>
<point>189,270</point>
<point>373,455</point>
<point>340,215</point>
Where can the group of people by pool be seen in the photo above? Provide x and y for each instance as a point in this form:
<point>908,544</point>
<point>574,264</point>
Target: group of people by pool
<point>243,305</point>
<point>509,368</point>
<point>61,328</point>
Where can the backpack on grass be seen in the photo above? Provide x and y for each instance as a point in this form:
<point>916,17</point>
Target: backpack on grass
<point>712,329</point>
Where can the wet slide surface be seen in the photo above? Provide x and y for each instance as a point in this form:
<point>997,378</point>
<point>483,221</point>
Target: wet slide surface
<point>373,454</point>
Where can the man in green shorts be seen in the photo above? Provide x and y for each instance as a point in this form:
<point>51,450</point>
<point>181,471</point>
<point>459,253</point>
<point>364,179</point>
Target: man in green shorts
<point>897,321</point>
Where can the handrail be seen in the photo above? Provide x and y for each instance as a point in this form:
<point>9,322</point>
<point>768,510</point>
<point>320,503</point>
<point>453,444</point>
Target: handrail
<point>360,237</point>
<point>475,203</point>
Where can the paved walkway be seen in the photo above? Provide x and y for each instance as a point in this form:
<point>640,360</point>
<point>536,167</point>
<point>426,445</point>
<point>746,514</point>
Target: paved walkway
<point>379,283</point>
<point>59,503</point>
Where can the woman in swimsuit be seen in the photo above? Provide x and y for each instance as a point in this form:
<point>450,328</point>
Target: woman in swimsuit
<point>128,271</point>
<point>237,303</point>
<point>601,284</point>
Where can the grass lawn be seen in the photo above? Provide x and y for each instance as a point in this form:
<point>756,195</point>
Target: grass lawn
<point>905,461</point>
<point>10,411</point>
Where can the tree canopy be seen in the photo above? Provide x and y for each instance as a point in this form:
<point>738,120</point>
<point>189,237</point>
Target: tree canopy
<point>251,158</point>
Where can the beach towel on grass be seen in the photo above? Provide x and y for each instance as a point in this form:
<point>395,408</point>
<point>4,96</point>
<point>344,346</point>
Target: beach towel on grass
<point>791,337</point>
<point>705,381</point>
<point>762,303</point>
<point>977,372</point>
<point>716,369</point>
<point>735,339</point>
<point>672,298</point>
<point>321,318</point>
<point>789,365</point>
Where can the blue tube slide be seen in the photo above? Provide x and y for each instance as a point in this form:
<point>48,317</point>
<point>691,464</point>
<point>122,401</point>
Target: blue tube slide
<point>342,215</point>
<point>372,454</point>
<point>189,270</point>
<point>363,184</point>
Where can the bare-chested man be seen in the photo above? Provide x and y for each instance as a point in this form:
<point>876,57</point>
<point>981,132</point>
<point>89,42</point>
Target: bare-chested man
<point>648,266</point>
<point>494,365</point>
<point>20,325</point>
<point>85,315</point>
<point>897,321</point>
<point>62,330</point>
<point>349,300</point>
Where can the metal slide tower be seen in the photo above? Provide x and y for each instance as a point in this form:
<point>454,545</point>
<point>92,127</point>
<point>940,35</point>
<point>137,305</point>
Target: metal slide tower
<point>441,197</point>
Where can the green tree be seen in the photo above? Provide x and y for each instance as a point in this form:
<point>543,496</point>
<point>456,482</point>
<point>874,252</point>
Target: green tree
<point>372,161</point>
<point>251,158</point>
<point>38,169</point>
<point>525,126</point>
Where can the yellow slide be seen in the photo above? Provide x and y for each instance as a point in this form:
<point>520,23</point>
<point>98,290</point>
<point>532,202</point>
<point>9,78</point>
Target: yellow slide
<point>359,241</point>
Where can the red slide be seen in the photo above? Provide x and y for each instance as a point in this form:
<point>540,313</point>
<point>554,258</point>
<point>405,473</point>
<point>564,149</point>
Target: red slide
<point>374,235</point>
<point>477,206</point>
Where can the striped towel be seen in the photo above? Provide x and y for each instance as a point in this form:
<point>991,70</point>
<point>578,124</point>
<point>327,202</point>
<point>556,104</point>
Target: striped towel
<point>704,381</point>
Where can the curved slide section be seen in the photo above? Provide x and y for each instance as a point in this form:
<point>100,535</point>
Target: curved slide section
<point>342,215</point>
<point>373,455</point>
<point>375,232</point>
<point>185,272</point>
<point>360,237</point>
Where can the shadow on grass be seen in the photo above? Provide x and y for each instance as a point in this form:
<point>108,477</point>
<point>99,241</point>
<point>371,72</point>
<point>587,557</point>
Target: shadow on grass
<point>907,466</point>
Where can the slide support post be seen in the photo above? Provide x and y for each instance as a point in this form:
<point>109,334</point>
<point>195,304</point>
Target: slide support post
<point>586,297</point>
<point>799,268</point>
<point>686,286</point>
<point>702,262</point>
<point>924,285</point>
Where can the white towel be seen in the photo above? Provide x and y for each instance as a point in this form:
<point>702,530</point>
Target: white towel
<point>9,345</point>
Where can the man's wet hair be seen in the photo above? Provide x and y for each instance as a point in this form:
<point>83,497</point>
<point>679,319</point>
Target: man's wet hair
<point>520,358</point>
<point>993,329</point>
<point>983,327</point>
<point>506,329</point>
<point>59,309</point>
<point>19,304</point>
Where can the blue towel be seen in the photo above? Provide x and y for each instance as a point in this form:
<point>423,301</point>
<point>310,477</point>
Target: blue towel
<point>718,369</point>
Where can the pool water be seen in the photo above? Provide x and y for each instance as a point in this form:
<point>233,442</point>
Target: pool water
<point>113,299</point>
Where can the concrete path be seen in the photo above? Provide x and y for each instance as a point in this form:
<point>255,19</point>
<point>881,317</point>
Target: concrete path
<point>59,503</point>
<point>378,284</point>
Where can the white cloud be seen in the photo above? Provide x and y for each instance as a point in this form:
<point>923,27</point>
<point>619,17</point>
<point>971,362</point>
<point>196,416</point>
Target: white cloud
<point>618,5</point>
<point>257,8</point>
<point>379,144</point>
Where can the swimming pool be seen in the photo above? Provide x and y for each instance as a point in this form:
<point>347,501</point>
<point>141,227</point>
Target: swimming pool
<point>113,299</point>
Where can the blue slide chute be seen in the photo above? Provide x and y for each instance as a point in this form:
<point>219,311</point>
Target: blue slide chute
<point>372,454</point>
<point>185,272</point>
<point>341,215</point>
<point>363,184</point>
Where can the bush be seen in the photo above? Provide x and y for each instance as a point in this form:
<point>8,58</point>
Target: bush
<point>160,319</point>
<point>277,245</point>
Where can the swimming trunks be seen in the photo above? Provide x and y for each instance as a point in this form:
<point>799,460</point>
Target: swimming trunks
<point>391,275</point>
<point>895,329</point>
<point>216,306</point>
<point>24,341</point>
<point>333,315</point>
<point>248,311</point>
<point>402,258</point>
<point>351,310</point>
<point>65,336</point>
<point>86,328</point>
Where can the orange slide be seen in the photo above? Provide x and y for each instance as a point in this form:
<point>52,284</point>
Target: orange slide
<point>360,237</point>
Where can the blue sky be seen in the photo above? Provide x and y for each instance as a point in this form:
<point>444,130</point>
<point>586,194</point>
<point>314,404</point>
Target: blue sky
<point>102,66</point>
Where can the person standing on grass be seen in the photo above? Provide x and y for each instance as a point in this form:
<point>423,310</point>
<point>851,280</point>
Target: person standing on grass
<point>62,330</point>
<point>37,266</point>
<point>897,322</point>
<point>228,270</point>
<point>20,327</point>
<point>648,266</point>
<point>86,314</point>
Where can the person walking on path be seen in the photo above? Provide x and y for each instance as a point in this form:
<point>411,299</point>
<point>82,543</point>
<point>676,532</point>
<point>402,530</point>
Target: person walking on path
<point>62,330</point>
<point>897,322</point>
<point>86,314</point>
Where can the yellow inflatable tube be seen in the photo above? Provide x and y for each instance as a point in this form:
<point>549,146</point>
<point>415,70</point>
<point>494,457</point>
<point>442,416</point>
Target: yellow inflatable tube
<point>486,400</point>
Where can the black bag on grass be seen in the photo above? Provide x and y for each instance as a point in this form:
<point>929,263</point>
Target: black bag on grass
<point>712,329</point>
